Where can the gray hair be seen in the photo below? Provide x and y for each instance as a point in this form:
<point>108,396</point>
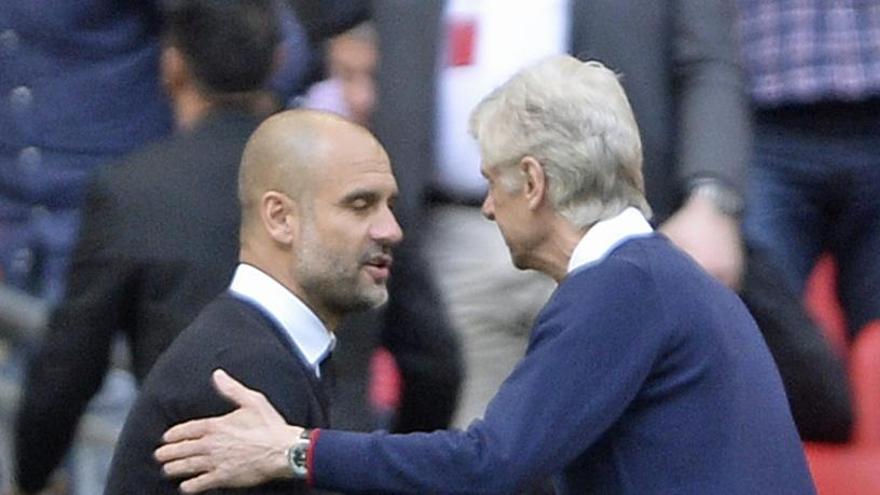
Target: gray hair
<point>574,118</point>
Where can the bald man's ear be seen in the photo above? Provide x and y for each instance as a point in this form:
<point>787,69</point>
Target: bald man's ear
<point>279,215</point>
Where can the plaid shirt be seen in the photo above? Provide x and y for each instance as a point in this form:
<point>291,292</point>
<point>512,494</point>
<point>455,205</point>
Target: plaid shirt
<point>800,51</point>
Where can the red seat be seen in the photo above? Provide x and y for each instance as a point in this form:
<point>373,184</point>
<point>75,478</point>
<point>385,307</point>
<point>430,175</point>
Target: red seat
<point>820,297</point>
<point>844,470</point>
<point>864,372</point>
<point>852,468</point>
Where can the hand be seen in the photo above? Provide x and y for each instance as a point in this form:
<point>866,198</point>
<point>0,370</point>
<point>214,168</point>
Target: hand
<point>712,238</point>
<point>243,448</point>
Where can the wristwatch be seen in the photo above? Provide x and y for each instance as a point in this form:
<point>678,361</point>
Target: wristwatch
<point>297,455</point>
<point>722,197</point>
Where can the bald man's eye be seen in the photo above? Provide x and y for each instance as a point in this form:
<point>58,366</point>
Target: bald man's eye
<point>362,201</point>
<point>359,204</point>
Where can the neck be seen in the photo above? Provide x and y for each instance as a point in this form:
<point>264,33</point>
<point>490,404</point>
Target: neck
<point>190,107</point>
<point>268,263</point>
<point>553,255</point>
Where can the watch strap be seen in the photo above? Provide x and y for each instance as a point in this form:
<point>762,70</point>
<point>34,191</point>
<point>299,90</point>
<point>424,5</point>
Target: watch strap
<point>723,197</point>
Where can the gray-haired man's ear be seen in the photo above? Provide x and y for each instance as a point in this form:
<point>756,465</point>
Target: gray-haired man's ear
<point>535,181</point>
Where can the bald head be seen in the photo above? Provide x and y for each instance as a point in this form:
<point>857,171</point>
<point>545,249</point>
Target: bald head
<point>286,151</point>
<point>316,193</point>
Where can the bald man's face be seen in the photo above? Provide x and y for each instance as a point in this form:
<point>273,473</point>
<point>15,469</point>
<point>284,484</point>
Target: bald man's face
<point>347,229</point>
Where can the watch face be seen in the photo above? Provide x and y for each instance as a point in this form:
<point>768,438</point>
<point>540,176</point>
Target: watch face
<point>299,456</point>
<point>297,459</point>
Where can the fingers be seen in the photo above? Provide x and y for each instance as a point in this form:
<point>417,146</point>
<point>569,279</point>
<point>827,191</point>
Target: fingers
<point>206,481</point>
<point>235,392</point>
<point>190,430</point>
<point>188,466</point>
<point>180,450</point>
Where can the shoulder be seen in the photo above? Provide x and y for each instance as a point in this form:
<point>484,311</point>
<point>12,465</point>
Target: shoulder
<point>227,322</point>
<point>209,153</point>
<point>118,186</point>
<point>622,294</point>
<point>227,335</point>
<point>230,334</point>
<point>628,269</point>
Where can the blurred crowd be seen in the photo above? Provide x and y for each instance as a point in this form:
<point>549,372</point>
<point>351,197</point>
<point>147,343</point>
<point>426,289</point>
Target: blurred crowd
<point>122,125</point>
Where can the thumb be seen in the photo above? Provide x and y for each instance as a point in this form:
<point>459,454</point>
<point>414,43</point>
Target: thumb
<point>231,389</point>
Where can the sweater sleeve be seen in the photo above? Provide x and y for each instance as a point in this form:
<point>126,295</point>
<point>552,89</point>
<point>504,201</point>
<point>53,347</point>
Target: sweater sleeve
<point>710,82</point>
<point>591,351</point>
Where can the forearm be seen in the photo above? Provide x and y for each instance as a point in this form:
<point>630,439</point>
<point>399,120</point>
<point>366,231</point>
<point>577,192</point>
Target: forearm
<point>538,423</point>
<point>558,401</point>
<point>440,462</point>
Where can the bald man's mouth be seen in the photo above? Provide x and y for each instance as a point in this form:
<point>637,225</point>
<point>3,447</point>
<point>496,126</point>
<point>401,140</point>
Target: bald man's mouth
<point>379,267</point>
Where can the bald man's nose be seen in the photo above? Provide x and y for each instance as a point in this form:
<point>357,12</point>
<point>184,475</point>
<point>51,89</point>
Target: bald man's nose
<point>386,230</point>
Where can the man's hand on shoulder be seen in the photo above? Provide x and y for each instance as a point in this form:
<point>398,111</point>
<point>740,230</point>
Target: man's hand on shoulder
<point>243,448</point>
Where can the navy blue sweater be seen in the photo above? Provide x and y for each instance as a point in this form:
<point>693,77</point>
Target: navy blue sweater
<point>643,375</point>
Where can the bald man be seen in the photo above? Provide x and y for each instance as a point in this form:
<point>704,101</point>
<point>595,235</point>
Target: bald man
<point>316,238</point>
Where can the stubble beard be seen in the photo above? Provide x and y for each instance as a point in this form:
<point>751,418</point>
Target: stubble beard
<point>336,284</point>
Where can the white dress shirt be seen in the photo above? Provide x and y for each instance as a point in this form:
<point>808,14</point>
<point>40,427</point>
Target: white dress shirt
<point>306,331</point>
<point>604,236</point>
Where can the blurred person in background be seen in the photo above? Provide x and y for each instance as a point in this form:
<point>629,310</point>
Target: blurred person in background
<point>324,19</point>
<point>350,89</point>
<point>80,88</point>
<point>159,237</point>
<point>814,183</point>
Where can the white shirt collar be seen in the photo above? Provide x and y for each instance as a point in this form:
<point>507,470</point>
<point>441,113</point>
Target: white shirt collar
<point>604,236</point>
<point>301,324</point>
